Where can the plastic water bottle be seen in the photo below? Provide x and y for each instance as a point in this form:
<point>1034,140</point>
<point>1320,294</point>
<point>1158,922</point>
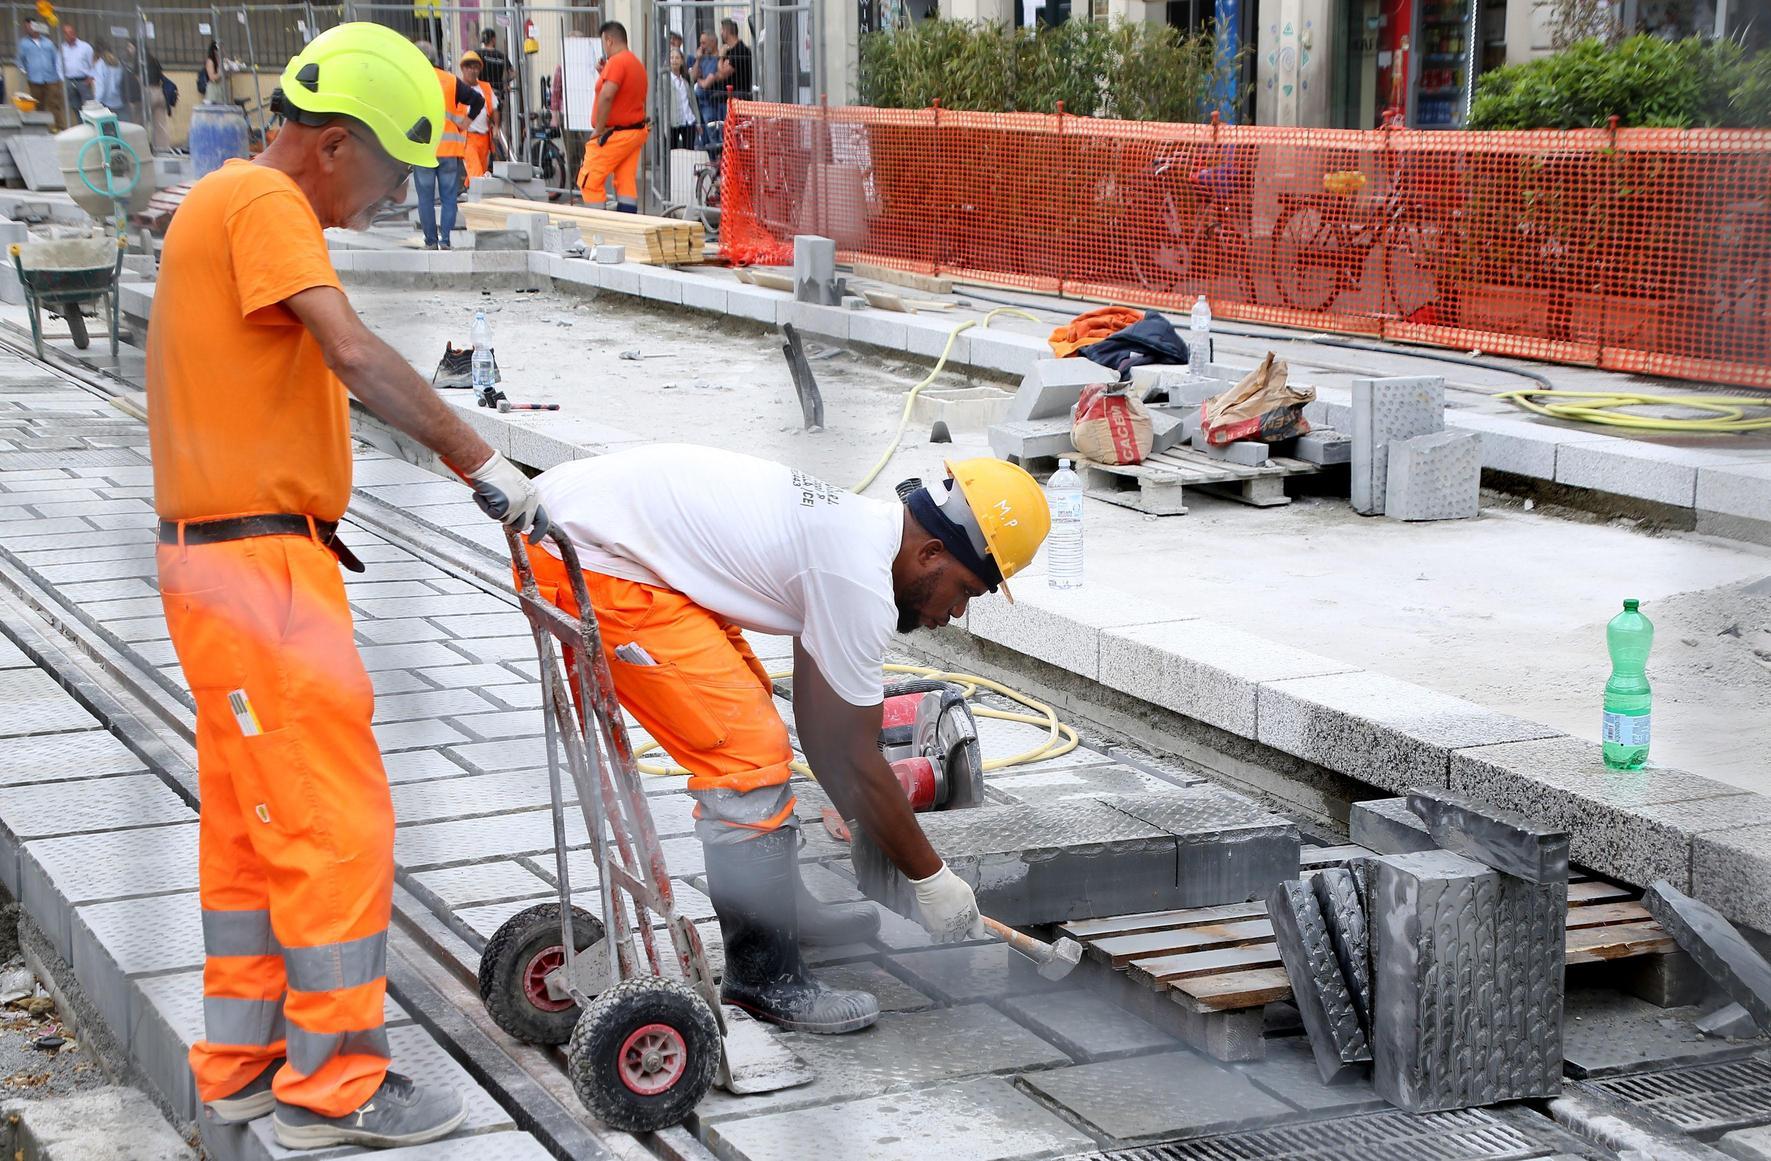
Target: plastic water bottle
<point>483,384</point>
<point>1063,546</point>
<point>1199,337</point>
<point>1628,700</point>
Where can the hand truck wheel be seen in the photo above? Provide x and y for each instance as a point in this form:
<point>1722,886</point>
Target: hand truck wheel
<point>514,969</point>
<point>644,1053</point>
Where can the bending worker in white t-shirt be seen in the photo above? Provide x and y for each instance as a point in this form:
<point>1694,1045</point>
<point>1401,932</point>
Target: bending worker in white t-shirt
<point>685,547</point>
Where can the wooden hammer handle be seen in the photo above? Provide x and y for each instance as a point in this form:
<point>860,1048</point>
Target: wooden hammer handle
<point>1033,949</point>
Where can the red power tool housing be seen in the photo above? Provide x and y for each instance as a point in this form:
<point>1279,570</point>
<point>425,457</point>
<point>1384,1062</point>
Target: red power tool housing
<point>931,739</point>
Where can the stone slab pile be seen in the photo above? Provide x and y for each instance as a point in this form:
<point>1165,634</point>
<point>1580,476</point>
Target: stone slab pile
<point>1385,412</point>
<point>1717,946</point>
<point>1037,425</point>
<point>1333,1018</point>
<point>1435,477</point>
<point>1086,858</point>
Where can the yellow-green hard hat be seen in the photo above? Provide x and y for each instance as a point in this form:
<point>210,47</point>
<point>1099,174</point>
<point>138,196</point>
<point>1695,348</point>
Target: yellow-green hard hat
<point>372,73</point>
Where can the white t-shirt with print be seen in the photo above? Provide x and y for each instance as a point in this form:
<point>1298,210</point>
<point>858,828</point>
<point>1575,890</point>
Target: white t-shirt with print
<point>768,548</point>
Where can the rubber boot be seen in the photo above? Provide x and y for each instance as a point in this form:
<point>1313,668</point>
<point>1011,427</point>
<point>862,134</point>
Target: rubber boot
<point>824,924</point>
<point>752,884</point>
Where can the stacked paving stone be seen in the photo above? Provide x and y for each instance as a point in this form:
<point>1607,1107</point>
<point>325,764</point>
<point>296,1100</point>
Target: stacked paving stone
<point>1405,464</point>
<point>1037,425</point>
<point>1439,964</point>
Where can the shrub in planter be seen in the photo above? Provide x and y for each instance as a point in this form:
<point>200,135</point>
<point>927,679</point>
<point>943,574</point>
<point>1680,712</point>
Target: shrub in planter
<point>1643,81</point>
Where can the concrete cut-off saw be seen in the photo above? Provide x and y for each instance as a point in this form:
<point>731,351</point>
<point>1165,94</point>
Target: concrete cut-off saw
<point>931,740</point>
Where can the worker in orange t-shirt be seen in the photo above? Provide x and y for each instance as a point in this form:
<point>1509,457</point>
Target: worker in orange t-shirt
<point>482,127</point>
<point>251,350</point>
<point>618,125</point>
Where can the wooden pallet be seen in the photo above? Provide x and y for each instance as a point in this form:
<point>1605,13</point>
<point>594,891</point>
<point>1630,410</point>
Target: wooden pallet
<point>1221,962</point>
<point>650,240</point>
<point>1156,485</point>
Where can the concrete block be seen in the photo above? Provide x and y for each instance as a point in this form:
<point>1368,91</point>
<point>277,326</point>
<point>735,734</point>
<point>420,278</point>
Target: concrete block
<point>1005,351</point>
<point>609,253</point>
<point>35,156</point>
<point>1731,870</point>
<point>1467,983</point>
<point>817,321</point>
<point>108,1122</point>
<point>1510,843</point>
<point>814,269</point>
<point>660,285</point>
<point>1609,1034</point>
<point>55,757</point>
<point>1717,946</point>
<point>1319,989</point>
<point>513,170</point>
<point>1288,1071</point>
<point>1748,1144</point>
<point>1736,490</point>
<point>704,294</point>
<point>1645,471</point>
<point>1730,1022</point>
<point>1387,826</point>
<point>1040,864</point>
<point>1384,411</point>
<point>1228,849</point>
<point>1062,627</point>
<point>1389,733</point>
<point>754,302</point>
<point>1165,1095</point>
<point>1031,439</point>
<point>622,279</point>
<point>530,225</point>
<point>1343,912</point>
<point>1521,446</point>
<point>1325,446</point>
<point>1051,389</point>
<point>1435,477</point>
<point>878,328</point>
<point>60,874</point>
<point>1205,670</point>
<point>1167,429</point>
<point>928,336</point>
<point>1251,453</point>
<point>1087,1025</point>
<point>1178,386</point>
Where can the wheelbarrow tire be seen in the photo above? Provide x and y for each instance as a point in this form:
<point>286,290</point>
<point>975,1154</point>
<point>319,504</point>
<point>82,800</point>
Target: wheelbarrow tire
<point>515,964</point>
<point>644,1053</point>
<point>77,328</point>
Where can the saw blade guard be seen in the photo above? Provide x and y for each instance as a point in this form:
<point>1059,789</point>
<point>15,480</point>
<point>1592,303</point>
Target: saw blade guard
<point>946,733</point>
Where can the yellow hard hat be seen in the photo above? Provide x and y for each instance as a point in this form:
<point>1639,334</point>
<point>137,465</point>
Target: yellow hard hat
<point>1010,508</point>
<point>373,74</point>
<point>471,57</point>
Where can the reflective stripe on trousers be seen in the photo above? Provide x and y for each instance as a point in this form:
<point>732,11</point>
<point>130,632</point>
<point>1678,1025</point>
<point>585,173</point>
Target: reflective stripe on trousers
<point>296,827</point>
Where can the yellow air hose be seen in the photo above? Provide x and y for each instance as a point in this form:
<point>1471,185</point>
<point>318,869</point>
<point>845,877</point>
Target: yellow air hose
<point>1606,407</point>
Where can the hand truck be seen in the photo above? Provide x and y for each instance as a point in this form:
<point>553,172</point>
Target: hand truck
<point>642,1049</point>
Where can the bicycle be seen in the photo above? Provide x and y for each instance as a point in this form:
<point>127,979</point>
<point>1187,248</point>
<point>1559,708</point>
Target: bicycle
<point>1203,212</point>
<point>1321,242</point>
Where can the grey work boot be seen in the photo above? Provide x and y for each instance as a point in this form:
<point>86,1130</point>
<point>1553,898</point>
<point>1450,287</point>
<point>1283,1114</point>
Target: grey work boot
<point>252,1101</point>
<point>752,885</point>
<point>399,1113</point>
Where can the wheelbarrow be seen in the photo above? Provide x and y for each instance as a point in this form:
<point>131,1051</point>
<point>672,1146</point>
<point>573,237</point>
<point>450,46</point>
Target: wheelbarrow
<point>64,275</point>
<point>644,1031</point>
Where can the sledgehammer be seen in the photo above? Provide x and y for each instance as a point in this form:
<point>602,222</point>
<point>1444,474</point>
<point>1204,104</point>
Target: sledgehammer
<point>1055,960</point>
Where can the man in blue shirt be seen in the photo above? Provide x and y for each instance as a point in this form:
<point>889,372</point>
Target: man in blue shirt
<point>39,61</point>
<point>706,63</point>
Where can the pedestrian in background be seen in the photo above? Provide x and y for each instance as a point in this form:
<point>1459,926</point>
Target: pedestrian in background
<point>107,76</point>
<point>39,61</point>
<point>683,121</point>
<point>144,95</point>
<point>210,75</point>
<point>702,69</point>
<point>77,63</point>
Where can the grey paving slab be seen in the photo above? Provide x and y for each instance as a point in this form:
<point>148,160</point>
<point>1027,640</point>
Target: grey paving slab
<point>500,724</point>
<point>893,994</point>
<point>134,629</point>
<point>105,590</point>
<point>471,676</point>
<point>522,695</point>
<point>508,648</point>
<point>1607,1033</point>
<point>509,754</point>
<point>484,883</point>
<point>1005,739</point>
<point>1228,849</point>
<point>1288,1071</point>
<point>56,757</point>
<point>1512,843</point>
<point>903,1050</point>
<point>1043,784</point>
<point>1732,869</point>
<point>472,796</point>
<point>1321,992</point>
<point>418,765</point>
<point>978,1120</point>
<point>56,875</point>
<point>1173,1094</point>
<point>1717,946</point>
<point>388,682</point>
<point>1387,410</point>
<point>1203,669</point>
<point>435,844</point>
<point>1389,733</point>
<point>973,972</point>
<point>423,733</point>
<point>1087,1025</point>
<point>403,631</point>
<point>1387,826</point>
<point>410,655</point>
<point>1343,913</point>
<point>108,611</point>
<point>442,605</point>
<point>43,809</point>
<point>35,704</point>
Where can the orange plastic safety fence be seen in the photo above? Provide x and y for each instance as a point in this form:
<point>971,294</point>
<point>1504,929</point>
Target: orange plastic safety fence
<point>1643,250</point>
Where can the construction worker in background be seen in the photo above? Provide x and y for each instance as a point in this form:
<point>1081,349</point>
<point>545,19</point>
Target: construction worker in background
<point>250,433</point>
<point>495,67</point>
<point>618,125</point>
<point>441,185</point>
<point>484,123</point>
<point>685,547</point>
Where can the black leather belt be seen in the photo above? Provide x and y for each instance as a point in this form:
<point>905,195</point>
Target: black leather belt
<point>270,524</point>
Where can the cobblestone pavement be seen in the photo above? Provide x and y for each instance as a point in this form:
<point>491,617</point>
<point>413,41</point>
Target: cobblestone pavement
<point>975,1056</point>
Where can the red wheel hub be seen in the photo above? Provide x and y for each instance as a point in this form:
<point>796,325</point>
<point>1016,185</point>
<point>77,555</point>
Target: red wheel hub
<point>542,964</point>
<point>653,1058</point>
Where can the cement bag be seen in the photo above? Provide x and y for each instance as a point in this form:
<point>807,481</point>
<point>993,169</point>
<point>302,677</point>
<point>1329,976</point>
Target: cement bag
<point>1261,407</point>
<point>1110,427</point>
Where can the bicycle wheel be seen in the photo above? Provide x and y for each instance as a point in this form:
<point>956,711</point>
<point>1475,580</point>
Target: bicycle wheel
<point>1413,257</point>
<point>1159,265</point>
<point>1309,253</point>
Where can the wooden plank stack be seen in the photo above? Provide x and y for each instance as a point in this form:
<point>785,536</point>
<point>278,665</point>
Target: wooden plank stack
<point>654,241</point>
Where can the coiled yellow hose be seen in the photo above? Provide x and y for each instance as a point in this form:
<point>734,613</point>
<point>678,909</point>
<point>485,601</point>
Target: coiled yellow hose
<point>1605,407</point>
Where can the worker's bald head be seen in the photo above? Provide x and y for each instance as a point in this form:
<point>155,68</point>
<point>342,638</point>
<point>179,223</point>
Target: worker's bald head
<point>340,167</point>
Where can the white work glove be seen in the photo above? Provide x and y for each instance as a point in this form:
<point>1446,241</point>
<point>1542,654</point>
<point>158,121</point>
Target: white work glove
<point>507,496</point>
<point>948,907</point>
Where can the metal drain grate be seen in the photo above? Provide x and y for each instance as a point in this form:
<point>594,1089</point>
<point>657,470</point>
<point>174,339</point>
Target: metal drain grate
<point>1465,1135</point>
<point>1703,1099</point>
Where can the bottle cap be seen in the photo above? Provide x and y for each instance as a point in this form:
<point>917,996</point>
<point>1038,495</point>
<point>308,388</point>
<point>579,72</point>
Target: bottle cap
<point>1062,464</point>
<point>1631,604</point>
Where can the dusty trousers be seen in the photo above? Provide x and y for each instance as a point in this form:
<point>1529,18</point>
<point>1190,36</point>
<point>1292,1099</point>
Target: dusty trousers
<point>707,700</point>
<point>296,829</point>
<point>619,156</point>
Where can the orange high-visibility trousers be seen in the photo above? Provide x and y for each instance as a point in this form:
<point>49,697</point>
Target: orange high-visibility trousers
<point>479,155</point>
<point>296,831</point>
<point>620,157</point>
<point>708,701</point>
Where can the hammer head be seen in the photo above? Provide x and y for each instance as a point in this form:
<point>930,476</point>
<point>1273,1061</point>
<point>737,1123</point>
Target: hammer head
<point>1066,954</point>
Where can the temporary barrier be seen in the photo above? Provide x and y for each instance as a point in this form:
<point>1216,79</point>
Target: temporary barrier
<point>1640,250</point>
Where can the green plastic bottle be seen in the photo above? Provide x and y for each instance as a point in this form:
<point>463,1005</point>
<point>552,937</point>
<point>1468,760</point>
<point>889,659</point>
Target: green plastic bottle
<point>1628,700</point>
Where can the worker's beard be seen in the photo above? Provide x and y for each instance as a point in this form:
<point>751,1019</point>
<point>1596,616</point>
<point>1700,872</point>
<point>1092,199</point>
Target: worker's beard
<point>910,602</point>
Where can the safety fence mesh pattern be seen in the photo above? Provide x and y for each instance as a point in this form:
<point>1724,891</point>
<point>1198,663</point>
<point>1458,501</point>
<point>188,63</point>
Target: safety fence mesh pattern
<point>1642,250</point>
